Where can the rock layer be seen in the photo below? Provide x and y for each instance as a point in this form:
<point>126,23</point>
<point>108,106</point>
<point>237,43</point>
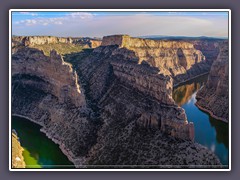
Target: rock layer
<point>171,57</point>
<point>213,97</point>
<point>41,40</point>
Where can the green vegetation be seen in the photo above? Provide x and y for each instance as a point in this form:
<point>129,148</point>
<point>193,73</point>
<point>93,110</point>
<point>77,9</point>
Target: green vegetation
<point>31,161</point>
<point>61,48</point>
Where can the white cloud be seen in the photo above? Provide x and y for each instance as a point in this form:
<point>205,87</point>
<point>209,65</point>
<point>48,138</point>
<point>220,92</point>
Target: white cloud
<point>29,13</point>
<point>81,15</point>
<point>69,18</point>
<point>89,24</point>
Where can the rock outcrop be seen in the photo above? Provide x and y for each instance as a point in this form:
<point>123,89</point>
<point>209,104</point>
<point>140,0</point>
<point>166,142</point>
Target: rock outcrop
<point>40,40</point>
<point>57,76</point>
<point>17,152</point>
<point>214,96</point>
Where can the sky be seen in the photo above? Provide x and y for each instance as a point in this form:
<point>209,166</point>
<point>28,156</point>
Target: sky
<point>99,24</point>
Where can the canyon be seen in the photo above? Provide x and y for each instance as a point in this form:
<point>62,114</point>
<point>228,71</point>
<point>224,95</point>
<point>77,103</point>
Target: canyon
<point>111,103</point>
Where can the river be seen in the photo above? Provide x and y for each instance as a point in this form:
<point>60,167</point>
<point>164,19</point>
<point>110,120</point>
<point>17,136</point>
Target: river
<point>210,132</point>
<point>39,150</point>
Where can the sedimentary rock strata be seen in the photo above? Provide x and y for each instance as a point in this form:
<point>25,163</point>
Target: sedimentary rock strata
<point>171,57</point>
<point>41,40</point>
<point>213,97</point>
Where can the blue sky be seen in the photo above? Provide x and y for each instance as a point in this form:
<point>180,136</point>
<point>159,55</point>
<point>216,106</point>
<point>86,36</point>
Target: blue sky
<point>98,24</point>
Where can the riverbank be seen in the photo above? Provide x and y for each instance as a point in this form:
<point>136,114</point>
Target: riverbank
<point>209,131</point>
<point>211,113</point>
<point>66,153</point>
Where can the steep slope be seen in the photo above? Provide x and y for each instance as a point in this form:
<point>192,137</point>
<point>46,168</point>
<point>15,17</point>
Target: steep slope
<point>213,97</point>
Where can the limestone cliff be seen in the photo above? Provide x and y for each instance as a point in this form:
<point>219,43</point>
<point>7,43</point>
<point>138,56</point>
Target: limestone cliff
<point>41,40</point>
<point>171,57</point>
<point>214,96</point>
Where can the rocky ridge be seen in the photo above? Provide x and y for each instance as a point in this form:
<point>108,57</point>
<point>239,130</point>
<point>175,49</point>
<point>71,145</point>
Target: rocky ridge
<point>41,40</point>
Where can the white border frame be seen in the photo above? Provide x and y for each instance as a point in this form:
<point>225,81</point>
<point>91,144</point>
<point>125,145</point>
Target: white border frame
<point>118,10</point>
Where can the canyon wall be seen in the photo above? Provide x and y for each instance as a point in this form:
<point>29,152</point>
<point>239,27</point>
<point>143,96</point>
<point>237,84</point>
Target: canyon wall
<point>139,118</point>
<point>179,59</point>
<point>46,90</point>
<point>214,96</point>
<point>61,80</point>
<point>104,66</point>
